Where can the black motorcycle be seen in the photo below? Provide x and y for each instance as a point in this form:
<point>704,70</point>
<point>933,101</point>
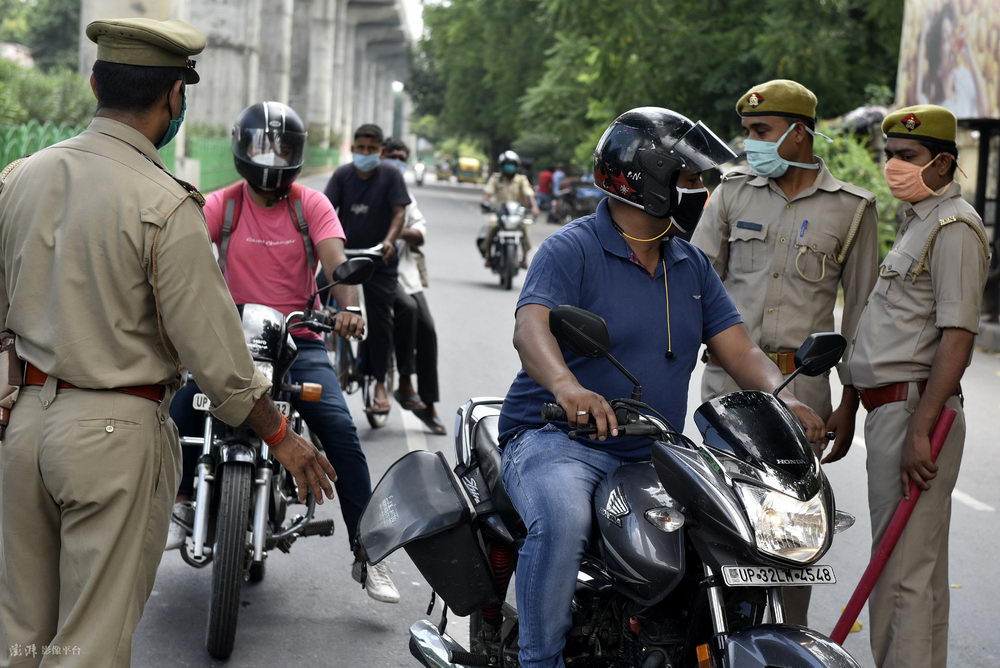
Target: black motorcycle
<point>504,253</point>
<point>242,493</point>
<point>689,552</point>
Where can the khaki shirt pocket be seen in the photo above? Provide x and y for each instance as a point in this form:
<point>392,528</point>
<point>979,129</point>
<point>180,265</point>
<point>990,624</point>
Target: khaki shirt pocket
<point>891,273</point>
<point>815,256</point>
<point>747,251</point>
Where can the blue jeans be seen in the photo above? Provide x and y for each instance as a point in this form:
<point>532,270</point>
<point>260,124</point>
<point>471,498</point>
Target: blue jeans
<point>551,481</point>
<point>329,419</point>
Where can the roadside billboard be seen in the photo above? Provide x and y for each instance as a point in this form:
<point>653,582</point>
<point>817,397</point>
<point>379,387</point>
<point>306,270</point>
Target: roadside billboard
<point>950,55</point>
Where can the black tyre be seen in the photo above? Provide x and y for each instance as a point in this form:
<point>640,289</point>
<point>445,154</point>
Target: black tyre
<point>229,557</point>
<point>509,267</point>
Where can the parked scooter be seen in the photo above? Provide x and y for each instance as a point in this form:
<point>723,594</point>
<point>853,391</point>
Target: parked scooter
<point>690,551</point>
<point>242,493</point>
<point>504,252</point>
<point>580,199</point>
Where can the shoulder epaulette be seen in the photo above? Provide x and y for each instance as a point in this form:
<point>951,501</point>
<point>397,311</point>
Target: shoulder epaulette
<point>10,168</point>
<point>922,260</point>
<point>736,172</point>
<point>193,192</point>
<point>857,191</point>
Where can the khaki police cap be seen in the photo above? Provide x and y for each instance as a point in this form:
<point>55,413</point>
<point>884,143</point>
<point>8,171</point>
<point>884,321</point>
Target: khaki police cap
<point>925,122</point>
<point>148,43</point>
<point>779,97</point>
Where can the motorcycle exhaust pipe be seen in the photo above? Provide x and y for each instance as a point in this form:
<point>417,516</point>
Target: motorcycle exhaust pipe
<point>438,650</point>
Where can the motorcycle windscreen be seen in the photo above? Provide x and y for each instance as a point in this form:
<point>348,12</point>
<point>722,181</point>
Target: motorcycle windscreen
<point>417,497</point>
<point>755,429</point>
<point>263,328</point>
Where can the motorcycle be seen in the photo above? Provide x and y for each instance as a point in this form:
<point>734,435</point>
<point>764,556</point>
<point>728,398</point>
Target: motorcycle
<point>689,552</point>
<point>419,171</point>
<point>504,252</point>
<point>242,493</point>
<point>581,199</point>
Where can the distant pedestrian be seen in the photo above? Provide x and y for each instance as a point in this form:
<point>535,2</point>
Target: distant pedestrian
<point>543,193</point>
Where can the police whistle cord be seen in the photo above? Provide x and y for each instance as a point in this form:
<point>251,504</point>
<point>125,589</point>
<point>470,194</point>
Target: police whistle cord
<point>890,537</point>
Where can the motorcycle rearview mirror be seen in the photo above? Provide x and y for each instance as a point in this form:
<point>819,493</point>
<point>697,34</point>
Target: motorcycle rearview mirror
<point>818,354</point>
<point>355,271</point>
<point>485,208</point>
<point>586,334</point>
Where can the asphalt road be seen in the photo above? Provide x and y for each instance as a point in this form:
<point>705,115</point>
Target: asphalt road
<point>309,612</point>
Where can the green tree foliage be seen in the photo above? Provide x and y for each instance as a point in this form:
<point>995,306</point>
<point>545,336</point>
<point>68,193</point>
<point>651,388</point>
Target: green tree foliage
<point>62,97</point>
<point>480,59</point>
<point>553,73</point>
<point>53,33</point>
<point>14,21</point>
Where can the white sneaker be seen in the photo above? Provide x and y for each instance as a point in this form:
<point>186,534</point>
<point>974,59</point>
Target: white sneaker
<point>378,584</point>
<point>177,533</point>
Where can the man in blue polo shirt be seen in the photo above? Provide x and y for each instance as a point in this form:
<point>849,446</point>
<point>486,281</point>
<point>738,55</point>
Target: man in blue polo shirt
<point>661,300</point>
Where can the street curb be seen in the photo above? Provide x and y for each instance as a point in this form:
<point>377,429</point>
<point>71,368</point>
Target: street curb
<point>989,336</point>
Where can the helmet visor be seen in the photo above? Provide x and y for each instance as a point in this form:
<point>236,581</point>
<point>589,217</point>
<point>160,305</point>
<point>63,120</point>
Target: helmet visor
<point>701,149</point>
<point>269,148</point>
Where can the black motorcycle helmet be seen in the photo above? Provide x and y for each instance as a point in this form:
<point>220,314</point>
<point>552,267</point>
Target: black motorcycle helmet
<point>640,155</point>
<point>269,141</point>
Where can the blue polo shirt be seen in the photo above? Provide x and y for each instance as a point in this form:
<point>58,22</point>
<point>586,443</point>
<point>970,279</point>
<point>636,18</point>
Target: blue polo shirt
<point>589,264</point>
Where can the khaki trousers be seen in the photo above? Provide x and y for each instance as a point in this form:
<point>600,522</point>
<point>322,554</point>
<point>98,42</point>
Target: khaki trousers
<point>909,606</point>
<point>814,393</point>
<point>87,481</point>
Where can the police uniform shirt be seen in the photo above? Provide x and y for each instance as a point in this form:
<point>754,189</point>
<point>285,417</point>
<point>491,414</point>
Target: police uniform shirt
<point>502,189</point>
<point>933,278</point>
<point>778,258</point>
<point>108,276</point>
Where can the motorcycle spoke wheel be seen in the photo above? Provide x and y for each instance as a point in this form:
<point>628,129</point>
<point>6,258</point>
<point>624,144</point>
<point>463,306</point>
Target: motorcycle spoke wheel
<point>229,558</point>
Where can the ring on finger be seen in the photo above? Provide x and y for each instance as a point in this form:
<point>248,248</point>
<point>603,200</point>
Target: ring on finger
<point>581,413</point>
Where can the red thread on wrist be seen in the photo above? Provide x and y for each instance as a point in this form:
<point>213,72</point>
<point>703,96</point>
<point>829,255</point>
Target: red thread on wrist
<point>279,435</point>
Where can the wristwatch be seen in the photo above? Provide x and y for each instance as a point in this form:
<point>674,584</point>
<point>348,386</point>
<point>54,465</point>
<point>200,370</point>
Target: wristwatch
<point>353,309</point>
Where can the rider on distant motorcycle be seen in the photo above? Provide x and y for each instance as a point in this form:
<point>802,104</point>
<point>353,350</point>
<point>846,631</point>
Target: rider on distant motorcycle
<point>277,230</point>
<point>508,185</point>
<point>661,300</point>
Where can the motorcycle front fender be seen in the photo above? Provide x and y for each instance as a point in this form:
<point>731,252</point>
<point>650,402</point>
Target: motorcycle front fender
<point>784,645</point>
<point>238,451</point>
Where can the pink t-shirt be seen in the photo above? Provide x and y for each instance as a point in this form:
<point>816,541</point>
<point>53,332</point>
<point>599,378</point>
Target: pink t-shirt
<point>266,262</point>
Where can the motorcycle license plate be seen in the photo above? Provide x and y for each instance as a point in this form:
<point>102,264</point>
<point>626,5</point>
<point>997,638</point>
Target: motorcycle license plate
<point>202,403</point>
<point>769,576</point>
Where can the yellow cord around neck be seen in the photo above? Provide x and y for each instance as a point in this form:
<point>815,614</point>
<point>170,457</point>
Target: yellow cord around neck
<point>657,237</point>
<point>666,292</point>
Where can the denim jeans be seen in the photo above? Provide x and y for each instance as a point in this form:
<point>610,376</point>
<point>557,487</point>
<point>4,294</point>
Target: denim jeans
<point>329,419</point>
<point>551,481</point>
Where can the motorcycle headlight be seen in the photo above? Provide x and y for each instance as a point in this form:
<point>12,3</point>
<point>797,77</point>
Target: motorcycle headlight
<point>266,369</point>
<point>784,526</point>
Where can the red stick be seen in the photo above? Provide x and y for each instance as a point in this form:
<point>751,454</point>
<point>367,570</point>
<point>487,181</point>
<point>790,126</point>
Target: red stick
<point>890,537</point>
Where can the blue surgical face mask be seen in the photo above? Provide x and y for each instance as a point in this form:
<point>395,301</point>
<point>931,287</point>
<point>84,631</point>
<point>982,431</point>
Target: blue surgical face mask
<point>174,127</point>
<point>509,168</point>
<point>393,162</point>
<point>764,159</point>
<point>366,163</point>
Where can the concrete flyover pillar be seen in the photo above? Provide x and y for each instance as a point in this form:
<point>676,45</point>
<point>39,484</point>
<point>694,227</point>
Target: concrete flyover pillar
<point>337,83</point>
<point>298,95</point>
<point>322,35</point>
<point>276,50</point>
<point>348,92</point>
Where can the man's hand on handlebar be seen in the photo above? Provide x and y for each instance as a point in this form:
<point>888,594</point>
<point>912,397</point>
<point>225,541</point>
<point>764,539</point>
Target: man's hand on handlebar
<point>583,406</point>
<point>309,467</point>
<point>388,250</point>
<point>349,325</point>
<point>811,423</point>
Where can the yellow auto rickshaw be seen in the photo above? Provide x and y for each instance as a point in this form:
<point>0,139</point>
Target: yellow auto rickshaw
<point>470,170</point>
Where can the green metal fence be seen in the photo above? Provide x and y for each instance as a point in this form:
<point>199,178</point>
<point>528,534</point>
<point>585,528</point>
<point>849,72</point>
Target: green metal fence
<point>214,153</point>
<point>17,141</point>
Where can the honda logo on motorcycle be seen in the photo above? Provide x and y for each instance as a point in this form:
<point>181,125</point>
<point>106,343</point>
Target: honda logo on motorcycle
<point>617,506</point>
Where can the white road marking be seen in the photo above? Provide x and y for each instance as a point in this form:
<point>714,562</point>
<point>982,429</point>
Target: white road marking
<point>956,494</point>
<point>416,439</point>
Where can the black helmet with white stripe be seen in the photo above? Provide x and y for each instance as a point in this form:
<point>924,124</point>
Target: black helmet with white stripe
<point>269,141</point>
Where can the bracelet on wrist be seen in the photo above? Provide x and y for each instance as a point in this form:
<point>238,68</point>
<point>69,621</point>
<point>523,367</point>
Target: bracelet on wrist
<point>279,435</point>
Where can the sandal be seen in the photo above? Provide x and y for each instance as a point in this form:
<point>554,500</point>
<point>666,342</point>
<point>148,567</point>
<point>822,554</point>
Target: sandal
<point>410,403</point>
<point>379,411</point>
<point>432,421</point>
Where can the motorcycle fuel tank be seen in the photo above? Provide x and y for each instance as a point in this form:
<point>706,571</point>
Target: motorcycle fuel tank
<point>647,562</point>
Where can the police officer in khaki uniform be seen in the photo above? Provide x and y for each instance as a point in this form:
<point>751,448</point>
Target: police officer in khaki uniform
<point>913,343</point>
<point>508,185</point>
<point>109,285</point>
<point>783,238</point>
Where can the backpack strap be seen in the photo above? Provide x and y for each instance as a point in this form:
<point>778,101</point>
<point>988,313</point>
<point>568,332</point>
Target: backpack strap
<point>299,218</point>
<point>233,203</point>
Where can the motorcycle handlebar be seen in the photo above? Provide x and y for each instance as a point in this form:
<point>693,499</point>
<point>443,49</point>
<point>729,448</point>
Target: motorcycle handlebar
<point>553,413</point>
<point>375,252</point>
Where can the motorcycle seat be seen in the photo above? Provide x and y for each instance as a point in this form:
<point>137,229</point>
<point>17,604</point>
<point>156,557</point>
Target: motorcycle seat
<point>486,441</point>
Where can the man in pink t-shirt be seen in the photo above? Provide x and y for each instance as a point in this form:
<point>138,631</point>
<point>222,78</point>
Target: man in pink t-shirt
<point>268,259</point>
